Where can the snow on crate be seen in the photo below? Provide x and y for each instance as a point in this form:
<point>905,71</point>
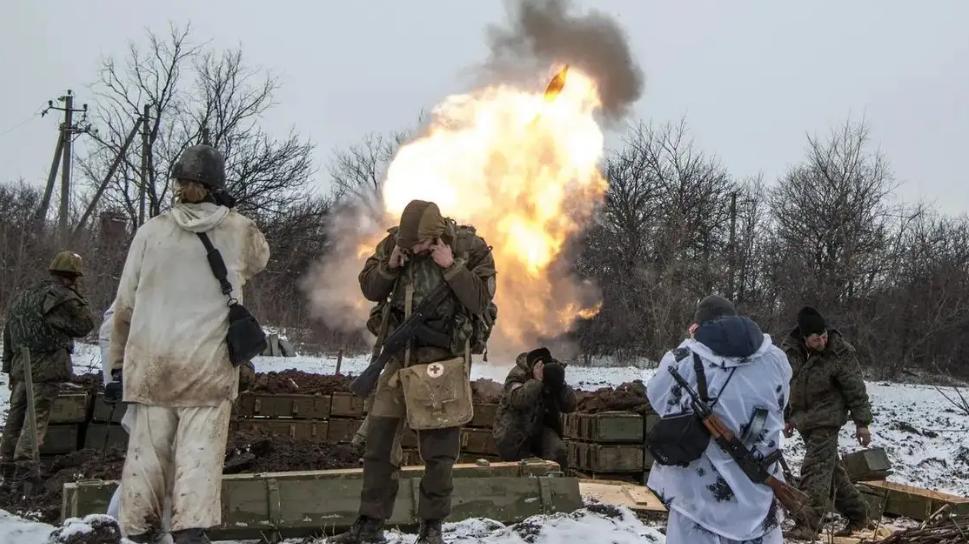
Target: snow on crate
<point>92,529</point>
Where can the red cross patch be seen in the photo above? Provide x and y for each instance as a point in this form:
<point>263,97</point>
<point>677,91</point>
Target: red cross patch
<point>435,370</point>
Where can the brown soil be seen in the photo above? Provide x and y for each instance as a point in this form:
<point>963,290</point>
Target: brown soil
<point>486,391</point>
<point>628,396</point>
<point>294,381</point>
<point>278,454</point>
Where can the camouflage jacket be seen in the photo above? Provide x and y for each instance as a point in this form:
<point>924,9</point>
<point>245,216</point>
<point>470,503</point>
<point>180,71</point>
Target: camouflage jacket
<point>526,408</point>
<point>45,319</point>
<point>471,280</point>
<point>826,386</point>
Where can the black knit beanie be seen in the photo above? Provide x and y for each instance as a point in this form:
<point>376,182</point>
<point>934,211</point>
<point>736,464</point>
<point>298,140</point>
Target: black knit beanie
<point>712,307</point>
<point>810,321</point>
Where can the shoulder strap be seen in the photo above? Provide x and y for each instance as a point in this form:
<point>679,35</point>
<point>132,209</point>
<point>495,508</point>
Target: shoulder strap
<point>217,264</point>
<point>701,378</point>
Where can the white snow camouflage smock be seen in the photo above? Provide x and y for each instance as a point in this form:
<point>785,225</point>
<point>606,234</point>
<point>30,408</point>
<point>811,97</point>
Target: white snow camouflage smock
<point>712,491</point>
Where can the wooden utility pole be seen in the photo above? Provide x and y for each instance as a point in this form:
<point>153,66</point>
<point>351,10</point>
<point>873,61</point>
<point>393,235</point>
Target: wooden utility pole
<point>733,244</point>
<point>144,167</point>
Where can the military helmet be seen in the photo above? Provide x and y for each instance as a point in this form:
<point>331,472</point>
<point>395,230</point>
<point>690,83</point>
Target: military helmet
<point>202,163</point>
<point>67,262</point>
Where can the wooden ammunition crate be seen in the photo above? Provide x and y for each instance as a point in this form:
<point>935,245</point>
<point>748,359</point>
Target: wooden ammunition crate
<point>478,441</point>
<point>98,435</point>
<point>341,430</point>
<point>484,415</point>
<point>911,502</point>
<point>346,405</point>
<point>104,412</point>
<point>303,430</point>
<point>605,427</point>
<point>61,439</point>
<point>70,406</point>
<point>604,458</point>
<point>285,405</point>
<point>867,465</point>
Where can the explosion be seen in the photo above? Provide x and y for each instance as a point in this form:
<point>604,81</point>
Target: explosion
<point>522,168</point>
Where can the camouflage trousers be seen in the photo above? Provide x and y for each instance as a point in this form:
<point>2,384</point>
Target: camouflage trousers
<point>823,477</point>
<point>545,444</point>
<point>16,443</point>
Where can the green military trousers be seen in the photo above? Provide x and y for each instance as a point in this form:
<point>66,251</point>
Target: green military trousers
<point>16,443</point>
<point>823,477</point>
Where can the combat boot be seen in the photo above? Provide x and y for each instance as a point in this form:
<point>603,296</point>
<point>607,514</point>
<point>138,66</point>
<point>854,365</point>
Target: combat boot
<point>430,532</point>
<point>363,531</point>
<point>802,532</point>
<point>7,472</point>
<point>190,536</point>
<point>853,526</point>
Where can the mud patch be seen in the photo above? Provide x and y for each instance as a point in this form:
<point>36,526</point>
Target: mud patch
<point>628,396</point>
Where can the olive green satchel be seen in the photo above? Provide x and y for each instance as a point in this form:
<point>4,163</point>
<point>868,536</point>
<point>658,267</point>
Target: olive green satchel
<point>438,395</point>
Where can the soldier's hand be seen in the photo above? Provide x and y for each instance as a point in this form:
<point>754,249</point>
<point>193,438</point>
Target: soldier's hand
<point>789,429</point>
<point>397,258</point>
<point>538,371</point>
<point>442,254</point>
<point>863,435</point>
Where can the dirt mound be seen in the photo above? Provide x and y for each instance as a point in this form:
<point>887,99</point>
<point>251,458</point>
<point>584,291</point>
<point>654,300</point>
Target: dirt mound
<point>93,529</point>
<point>298,382</point>
<point>486,391</point>
<point>263,453</point>
<point>628,396</point>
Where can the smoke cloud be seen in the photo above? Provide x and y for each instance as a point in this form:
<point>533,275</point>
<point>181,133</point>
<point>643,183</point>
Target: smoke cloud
<point>541,33</point>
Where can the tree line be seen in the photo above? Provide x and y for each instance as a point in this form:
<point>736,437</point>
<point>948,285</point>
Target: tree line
<point>675,223</point>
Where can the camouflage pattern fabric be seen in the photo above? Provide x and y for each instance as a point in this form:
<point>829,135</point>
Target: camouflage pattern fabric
<point>823,476</point>
<point>16,444</point>
<point>826,386</point>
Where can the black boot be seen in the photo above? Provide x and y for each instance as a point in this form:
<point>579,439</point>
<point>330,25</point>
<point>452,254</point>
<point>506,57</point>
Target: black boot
<point>363,531</point>
<point>144,538</point>
<point>190,536</point>
<point>430,532</point>
<point>7,472</point>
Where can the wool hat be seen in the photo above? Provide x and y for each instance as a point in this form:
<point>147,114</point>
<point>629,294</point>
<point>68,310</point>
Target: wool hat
<point>712,307</point>
<point>420,221</point>
<point>810,321</point>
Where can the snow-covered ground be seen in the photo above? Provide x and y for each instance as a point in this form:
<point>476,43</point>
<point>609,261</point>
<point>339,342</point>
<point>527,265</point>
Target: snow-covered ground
<point>927,441</point>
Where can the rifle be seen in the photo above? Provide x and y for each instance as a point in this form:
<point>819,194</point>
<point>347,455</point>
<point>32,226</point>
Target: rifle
<point>793,500</point>
<point>413,327</point>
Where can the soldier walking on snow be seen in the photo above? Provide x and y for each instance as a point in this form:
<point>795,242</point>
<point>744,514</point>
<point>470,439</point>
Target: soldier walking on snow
<point>826,387</point>
<point>168,348</point>
<point>529,422</point>
<point>46,319</point>
<point>426,253</point>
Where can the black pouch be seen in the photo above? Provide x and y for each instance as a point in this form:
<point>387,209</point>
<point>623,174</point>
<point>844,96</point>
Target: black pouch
<point>245,338</point>
<point>681,439</point>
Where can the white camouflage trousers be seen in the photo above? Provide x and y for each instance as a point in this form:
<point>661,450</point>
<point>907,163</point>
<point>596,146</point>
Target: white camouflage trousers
<point>683,530</point>
<point>174,453</point>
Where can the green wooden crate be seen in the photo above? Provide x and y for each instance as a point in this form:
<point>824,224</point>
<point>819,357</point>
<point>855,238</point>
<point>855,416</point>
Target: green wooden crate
<point>304,430</point>
<point>341,430</point>
<point>284,405</point>
<point>291,504</point>
<point>484,415</point>
<point>61,439</point>
<point>346,405</point>
<point>98,435</point>
<point>104,412</point>
<point>478,441</point>
<point>870,464</point>
<point>606,458</point>
<point>605,427</point>
<point>912,502</point>
<point>70,406</point>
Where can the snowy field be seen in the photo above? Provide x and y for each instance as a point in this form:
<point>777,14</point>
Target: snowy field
<point>927,441</point>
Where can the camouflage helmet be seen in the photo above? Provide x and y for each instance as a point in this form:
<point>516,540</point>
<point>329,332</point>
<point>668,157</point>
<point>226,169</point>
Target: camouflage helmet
<point>67,262</point>
<point>202,163</point>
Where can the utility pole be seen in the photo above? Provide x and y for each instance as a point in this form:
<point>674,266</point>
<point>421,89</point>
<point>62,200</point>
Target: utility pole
<point>64,149</point>
<point>733,244</point>
<point>144,166</point>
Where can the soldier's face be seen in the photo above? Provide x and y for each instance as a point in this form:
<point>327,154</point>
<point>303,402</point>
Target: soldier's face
<point>422,248</point>
<point>817,342</point>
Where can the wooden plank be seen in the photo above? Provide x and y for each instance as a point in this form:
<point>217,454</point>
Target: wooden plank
<point>478,441</point>
<point>637,498</point>
<point>97,433</point>
<point>104,412</point>
<point>70,407</point>
<point>484,415</point>
<point>346,405</point>
<point>61,439</point>
<point>303,503</point>
<point>304,430</point>
<point>605,427</point>
<point>912,502</point>
<point>605,458</point>
<point>284,405</point>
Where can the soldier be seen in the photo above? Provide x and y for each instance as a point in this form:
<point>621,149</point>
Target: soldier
<point>168,349</point>
<point>728,359</point>
<point>45,319</point>
<point>529,422</point>
<point>426,251</point>
<point>827,386</point>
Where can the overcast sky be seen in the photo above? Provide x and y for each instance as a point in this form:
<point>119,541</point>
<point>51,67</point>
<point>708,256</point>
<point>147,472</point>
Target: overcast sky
<point>751,78</point>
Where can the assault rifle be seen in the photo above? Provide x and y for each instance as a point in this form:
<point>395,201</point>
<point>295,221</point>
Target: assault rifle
<point>414,327</point>
<point>793,500</point>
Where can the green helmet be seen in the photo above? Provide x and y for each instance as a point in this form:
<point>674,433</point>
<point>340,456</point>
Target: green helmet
<point>67,262</point>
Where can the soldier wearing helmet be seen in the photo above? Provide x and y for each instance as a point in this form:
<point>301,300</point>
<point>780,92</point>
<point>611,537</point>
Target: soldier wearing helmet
<point>168,351</point>
<point>46,318</point>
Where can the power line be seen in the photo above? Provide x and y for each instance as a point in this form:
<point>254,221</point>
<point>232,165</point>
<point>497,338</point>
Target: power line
<point>20,124</point>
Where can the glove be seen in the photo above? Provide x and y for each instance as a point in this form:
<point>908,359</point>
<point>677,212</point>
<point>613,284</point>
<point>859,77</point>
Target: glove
<point>554,375</point>
<point>114,390</point>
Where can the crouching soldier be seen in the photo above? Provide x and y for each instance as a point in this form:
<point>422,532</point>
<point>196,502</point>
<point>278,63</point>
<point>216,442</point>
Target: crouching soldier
<point>529,422</point>
<point>46,319</point>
